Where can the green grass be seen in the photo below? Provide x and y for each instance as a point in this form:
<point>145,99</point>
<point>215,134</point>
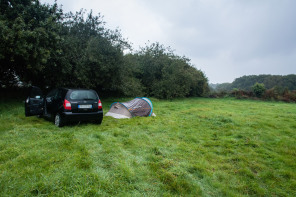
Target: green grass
<point>194,147</point>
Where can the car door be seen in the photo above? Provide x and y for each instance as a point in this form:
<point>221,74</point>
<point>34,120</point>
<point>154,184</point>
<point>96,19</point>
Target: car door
<point>57,101</point>
<point>34,102</point>
<point>50,101</point>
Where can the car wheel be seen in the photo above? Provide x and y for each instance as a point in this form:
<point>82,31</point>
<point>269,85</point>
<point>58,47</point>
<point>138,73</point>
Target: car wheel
<point>27,112</point>
<point>99,121</point>
<point>58,120</point>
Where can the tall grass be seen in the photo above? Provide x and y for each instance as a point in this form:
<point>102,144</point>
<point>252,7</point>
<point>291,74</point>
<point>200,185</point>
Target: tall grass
<point>197,147</point>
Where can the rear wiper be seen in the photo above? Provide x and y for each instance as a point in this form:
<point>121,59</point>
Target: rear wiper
<point>87,99</point>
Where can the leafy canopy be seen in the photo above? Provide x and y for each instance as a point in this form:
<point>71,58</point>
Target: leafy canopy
<point>43,46</point>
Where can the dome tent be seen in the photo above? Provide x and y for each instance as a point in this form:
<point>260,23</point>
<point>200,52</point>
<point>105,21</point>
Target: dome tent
<point>140,106</point>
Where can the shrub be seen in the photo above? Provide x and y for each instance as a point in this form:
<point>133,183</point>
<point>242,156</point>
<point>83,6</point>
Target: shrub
<point>289,96</point>
<point>258,89</point>
<point>270,94</point>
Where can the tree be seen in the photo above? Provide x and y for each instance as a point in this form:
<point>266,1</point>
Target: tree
<point>92,56</point>
<point>269,81</point>
<point>258,89</point>
<point>166,75</point>
<point>28,36</point>
<point>130,77</point>
<point>42,46</point>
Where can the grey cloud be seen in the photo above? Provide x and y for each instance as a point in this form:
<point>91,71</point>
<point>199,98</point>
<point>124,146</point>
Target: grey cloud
<point>224,38</point>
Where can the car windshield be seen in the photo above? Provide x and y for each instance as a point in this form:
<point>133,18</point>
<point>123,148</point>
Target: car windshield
<point>83,95</point>
<point>36,93</point>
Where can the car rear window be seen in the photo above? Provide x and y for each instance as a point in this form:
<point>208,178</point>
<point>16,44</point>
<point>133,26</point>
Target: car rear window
<point>35,93</point>
<point>83,95</point>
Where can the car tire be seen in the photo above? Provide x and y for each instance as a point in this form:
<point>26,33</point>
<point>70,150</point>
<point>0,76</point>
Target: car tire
<point>58,120</point>
<point>99,121</point>
<point>27,112</point>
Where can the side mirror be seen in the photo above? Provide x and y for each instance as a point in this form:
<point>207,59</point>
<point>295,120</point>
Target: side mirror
<point>48,99</point>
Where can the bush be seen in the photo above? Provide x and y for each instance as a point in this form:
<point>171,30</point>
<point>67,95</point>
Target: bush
<point>241,94</point>
<point>289,96</point>
<point>275,94</point>
<point>165,75</point>
<point>258,89</point>
<point>271,94</point>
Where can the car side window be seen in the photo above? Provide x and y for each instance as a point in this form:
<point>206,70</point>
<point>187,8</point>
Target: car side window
<point>52,93</point>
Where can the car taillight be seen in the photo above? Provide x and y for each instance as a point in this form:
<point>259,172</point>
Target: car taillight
<point>100,105</point>
<point>67,104</point>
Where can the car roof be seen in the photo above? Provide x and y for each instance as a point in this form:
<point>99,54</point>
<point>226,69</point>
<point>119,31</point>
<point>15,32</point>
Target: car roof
<point>77,89</point>
<point>73,88</point>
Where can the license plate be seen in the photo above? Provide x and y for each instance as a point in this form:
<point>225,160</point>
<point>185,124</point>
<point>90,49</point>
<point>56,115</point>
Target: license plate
<point>84,106</point>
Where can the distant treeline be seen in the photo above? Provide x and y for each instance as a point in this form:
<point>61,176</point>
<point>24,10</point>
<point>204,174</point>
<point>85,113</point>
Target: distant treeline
<point>264,87</point>
<point>246,83</point>
<point>43,46</point>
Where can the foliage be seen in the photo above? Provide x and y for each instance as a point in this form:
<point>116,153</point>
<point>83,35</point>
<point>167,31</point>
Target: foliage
<point>278,88</point>
<point>42,46</point>
<point>270,81</point>
<point>258,89</point>
<point>166,75</point>
<point>272,94</point>
<point>92,57</point>
<point>131,81</point>
<point>222,87</point>
<point>275,95</point>
<point>28,37</point>
<point>194,147</point>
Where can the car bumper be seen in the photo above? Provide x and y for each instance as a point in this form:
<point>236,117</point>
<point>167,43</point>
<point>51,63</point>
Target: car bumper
<point>92,116</point>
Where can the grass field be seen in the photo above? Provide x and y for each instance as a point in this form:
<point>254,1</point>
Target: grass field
<point>197,147</point>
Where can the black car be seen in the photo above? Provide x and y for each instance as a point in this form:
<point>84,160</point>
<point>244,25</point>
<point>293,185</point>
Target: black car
<point>65,105</point>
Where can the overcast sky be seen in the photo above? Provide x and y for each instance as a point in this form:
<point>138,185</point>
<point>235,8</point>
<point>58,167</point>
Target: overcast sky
<point>225,39</point>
